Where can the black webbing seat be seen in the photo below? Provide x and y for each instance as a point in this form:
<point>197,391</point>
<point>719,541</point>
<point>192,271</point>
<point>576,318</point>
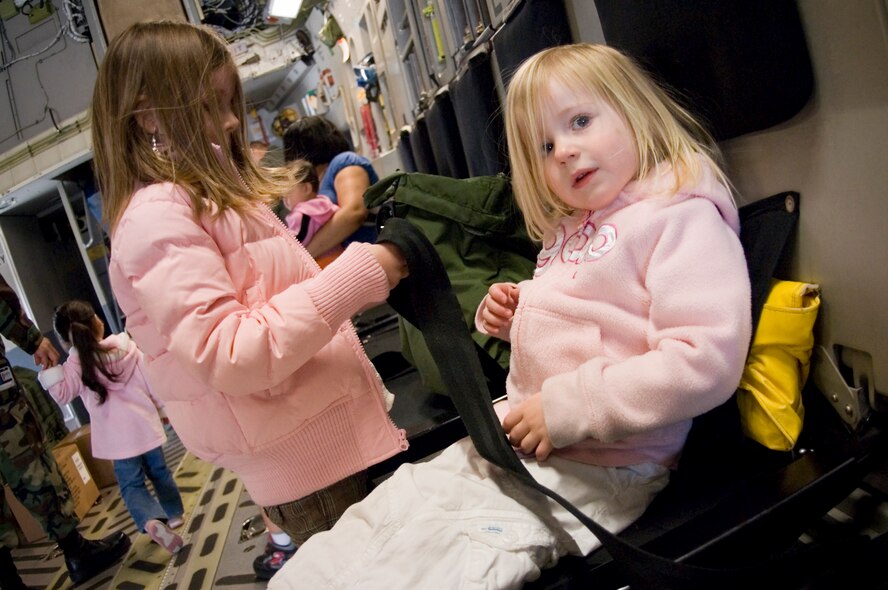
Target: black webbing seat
<point>444,134</point>
<point>748,506</point>
<point>478,115</point>
<point>421,147</point>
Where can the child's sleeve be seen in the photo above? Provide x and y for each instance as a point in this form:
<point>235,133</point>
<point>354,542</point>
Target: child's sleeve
<point>63,382</point>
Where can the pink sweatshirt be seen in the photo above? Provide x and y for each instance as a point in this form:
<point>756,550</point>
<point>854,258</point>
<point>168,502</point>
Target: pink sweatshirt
<point>637,319</point>
<point>126,424</point>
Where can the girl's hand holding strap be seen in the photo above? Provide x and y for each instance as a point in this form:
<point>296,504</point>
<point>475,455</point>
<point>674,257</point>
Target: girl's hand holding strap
<point>392,261</point>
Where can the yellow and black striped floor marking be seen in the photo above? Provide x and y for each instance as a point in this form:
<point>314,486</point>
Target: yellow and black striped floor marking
<point>41,564</point>
<point>147,565</point>
<point>195,566</point>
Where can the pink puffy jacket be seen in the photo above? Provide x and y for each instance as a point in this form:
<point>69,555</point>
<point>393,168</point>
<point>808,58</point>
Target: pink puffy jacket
<point>249,344</point>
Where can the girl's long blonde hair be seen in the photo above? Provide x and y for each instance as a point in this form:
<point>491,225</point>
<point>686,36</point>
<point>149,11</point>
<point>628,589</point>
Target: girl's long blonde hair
<point>665,133</point>
<point>169,66</point>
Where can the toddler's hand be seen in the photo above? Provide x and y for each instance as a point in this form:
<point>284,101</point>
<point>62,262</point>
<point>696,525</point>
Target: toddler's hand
<point>526,427</point>
<point>499,307</point>
<point>391,260</point>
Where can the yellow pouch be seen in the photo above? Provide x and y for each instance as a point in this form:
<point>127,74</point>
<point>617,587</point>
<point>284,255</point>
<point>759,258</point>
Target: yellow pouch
<point>770,394</point>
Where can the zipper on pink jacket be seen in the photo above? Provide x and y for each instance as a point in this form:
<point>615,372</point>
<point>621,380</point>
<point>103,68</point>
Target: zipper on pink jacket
<point>402,434</point>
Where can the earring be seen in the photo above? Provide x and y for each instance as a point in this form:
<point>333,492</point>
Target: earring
<point>154,144</point>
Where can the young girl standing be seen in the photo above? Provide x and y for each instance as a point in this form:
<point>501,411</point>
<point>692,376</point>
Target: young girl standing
<point>247,342</point>
<point>107,375</point>
<point>636,320</point>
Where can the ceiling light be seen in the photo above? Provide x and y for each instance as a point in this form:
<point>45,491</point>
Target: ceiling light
<point>284,8</point>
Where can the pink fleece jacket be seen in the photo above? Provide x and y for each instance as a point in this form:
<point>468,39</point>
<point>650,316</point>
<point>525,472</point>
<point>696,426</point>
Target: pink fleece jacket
<point>637,319</point>
<point>126,424</point>
<point>249,344</point>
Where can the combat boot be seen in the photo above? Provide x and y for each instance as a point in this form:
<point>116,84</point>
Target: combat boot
<point>9,578</point>
<point>85,558</point>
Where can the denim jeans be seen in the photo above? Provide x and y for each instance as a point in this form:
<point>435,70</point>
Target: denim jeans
<point>141,503</point>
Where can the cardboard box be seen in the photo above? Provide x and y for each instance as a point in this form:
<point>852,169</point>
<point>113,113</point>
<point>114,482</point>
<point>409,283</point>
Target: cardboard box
<point>29,530</point>
<point>102,470</point>
<point>73,468</point>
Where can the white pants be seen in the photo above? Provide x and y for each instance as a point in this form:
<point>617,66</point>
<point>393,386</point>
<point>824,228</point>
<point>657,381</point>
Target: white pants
<point>459,522</point>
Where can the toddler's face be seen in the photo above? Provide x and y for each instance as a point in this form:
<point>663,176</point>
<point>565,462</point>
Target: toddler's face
<point>301,192</point>
<point>590,153</point>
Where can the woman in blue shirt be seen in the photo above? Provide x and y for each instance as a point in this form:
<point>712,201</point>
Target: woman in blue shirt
<point>344,176</point>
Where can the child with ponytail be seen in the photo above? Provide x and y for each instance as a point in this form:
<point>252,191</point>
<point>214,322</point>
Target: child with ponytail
<point>106,372</point>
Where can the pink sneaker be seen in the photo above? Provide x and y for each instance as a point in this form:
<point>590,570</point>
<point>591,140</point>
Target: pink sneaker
<point>175,522</point>
<point>161,534</point>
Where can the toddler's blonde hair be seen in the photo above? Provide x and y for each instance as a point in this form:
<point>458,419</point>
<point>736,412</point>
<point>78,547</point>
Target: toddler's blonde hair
<point>664,132</point>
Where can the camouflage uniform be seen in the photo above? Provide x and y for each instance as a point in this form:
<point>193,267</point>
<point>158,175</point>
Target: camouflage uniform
<point>26,464</point>
<point>46,410</point>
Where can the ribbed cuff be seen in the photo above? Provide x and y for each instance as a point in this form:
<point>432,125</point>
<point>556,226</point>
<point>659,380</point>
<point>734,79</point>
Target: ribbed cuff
<point>348,284</point>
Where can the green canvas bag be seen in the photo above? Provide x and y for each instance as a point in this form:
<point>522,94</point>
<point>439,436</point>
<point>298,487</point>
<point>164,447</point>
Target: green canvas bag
<point>479,234</point>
